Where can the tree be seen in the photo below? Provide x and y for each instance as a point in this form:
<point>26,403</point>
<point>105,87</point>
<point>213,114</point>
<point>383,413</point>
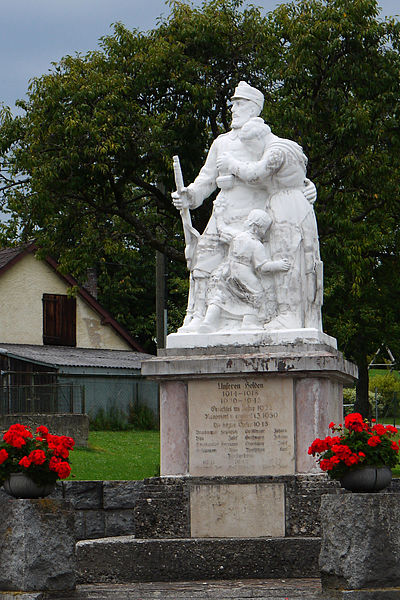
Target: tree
<point>91,159</point>
<point>339,98</point>
<point>99,132</point>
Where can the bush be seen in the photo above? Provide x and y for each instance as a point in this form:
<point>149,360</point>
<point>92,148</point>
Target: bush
<point>349,397</point>
<point>141,417</point>
<point>110,419</point>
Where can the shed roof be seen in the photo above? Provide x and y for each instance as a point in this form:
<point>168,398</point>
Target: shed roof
<point>61,356</point>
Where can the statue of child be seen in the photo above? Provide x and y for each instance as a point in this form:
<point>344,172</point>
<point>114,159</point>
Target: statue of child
<point>240,293</point>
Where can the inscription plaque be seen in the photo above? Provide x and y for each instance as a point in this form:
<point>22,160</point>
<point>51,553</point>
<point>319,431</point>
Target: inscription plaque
<point>244,510</point>
<point>241,426</point>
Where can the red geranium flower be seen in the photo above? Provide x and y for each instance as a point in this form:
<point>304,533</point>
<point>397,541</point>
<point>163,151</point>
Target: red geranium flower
<point>25,462</point>
<point>379,429</point>
<point>391,429</point>
<point>374,440</point>
<point>318,446</point>
<point>63,470</point>
<point>354,422</point>
<point>38,457</point>
<point>326,465</point>
<point>3,455</point>
<point>42,431</point>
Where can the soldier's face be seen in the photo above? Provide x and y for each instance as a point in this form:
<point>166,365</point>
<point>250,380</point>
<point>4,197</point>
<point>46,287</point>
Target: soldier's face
<point>242,110</point>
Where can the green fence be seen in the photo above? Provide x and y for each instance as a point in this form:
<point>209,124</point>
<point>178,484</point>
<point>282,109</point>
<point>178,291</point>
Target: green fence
<point>49,398</point>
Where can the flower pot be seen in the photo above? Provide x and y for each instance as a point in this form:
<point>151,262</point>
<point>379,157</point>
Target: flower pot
<point>367,479</point>
<point>20,485</point>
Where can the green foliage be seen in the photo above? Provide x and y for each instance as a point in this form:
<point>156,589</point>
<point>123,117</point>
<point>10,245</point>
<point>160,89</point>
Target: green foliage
<point>121,455</point>
<point>387,384</point>
<point>139,417</point>
<point>110,419</point>
<point>349,397</point>
<point>142,417</point>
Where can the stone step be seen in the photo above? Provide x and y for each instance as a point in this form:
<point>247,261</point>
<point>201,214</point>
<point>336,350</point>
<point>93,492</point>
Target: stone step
<point>253,589</point>
<point>126,559</point>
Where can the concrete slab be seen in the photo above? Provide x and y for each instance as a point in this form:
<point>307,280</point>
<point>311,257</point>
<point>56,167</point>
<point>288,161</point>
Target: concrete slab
<point>260,589</point>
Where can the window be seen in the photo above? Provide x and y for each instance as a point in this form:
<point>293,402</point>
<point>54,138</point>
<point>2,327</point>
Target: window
<point>59,320</point>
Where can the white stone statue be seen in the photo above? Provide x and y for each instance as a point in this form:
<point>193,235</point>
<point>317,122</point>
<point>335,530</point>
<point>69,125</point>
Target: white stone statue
<point>254,170</point>
<point>240,291</point>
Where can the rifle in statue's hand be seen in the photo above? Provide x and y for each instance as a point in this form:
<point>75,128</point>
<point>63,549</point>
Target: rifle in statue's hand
<point>191,234</point>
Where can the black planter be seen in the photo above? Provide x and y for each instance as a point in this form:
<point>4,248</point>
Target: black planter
<point>20,485</point>
<point>367,479</point>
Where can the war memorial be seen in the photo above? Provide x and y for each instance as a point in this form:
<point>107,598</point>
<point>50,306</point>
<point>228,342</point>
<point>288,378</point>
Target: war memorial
<point>250,378</point>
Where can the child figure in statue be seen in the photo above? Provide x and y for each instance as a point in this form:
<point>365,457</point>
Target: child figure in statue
<point>240,292</point>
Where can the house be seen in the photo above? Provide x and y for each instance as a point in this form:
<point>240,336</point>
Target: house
<point>62,354</point>
<point>36,309</point>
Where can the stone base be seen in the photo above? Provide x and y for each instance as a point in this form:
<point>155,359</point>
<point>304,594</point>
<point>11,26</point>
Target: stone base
<point>37,545</point>
<point>360,547</point>
<point>377,594</point>
<point>246,411</point>
<point>250,338</point>
<point>126,559</point>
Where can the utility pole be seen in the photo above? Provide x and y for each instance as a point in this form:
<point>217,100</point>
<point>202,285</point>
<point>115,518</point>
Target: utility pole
<point>161,300</point>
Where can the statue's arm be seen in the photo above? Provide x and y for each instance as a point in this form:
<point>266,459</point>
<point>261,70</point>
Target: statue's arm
<point>205,182</point>
<point>252,172</point>
<point>271,266</point>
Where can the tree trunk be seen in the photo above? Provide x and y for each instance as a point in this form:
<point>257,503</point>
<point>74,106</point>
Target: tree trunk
<point>362,402</point>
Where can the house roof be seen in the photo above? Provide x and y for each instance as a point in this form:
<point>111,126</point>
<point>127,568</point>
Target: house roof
<point>10,256</point>
<point>63,356</point>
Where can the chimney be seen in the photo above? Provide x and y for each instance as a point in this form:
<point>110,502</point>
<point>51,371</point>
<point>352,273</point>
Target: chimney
<point>91,282</point>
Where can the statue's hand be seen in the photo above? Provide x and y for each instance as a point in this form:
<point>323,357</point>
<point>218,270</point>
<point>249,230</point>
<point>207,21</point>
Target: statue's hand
<point>283,265</point>
<point>224,163</point>
<point>180,199</point>
<point>310,191</point>
<point>225,236</point>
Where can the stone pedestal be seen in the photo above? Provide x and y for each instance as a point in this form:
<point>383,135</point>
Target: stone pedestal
<point>360,549</point>
<point>37,545</point>
<point>239,411</point>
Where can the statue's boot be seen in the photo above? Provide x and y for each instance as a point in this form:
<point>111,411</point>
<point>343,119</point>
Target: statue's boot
<point>285,320</point>
<point>211,323</point>
<point>250,322</point>
<point>199,310</point>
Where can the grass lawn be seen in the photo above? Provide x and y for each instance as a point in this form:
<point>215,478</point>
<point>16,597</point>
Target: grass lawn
<point>117,455</point>
<point>123,455</point>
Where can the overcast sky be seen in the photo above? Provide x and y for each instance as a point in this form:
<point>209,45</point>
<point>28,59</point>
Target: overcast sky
<point>33,33</point>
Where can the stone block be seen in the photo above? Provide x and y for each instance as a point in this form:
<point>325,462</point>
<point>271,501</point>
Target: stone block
<point>84,495</point>
<point>303,499</point>
<point>173,419</point>
<point>37,545</point>
<point>119,522</point>
<point>245,510</point>
<point>89,524</point>
<point>164,517</point>
<point>125,559</point>
<point>360,545</point>
<point>121,494</point>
